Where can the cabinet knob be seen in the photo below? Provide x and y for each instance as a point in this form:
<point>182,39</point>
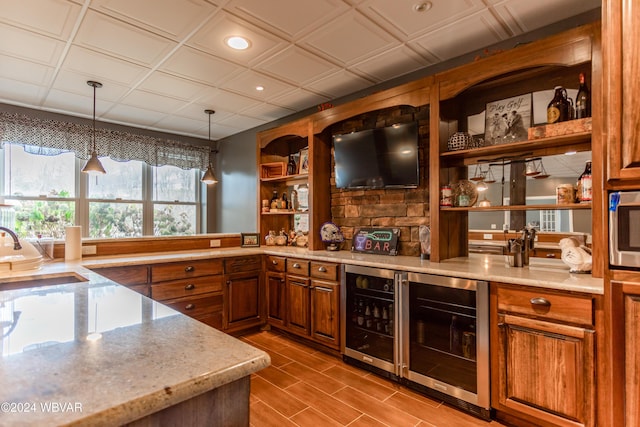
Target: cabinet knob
<point>189,287</point>
<point>189,306</point>
<point>228,282</point>
<point>189,269</point>
<point>540,302</point>
<point>274,262</point>
<point>322,269</point>
<point>296,265</point>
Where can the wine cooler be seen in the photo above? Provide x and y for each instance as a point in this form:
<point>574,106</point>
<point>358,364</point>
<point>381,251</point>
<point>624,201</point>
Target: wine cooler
<point>370,329</point>
<point>429,332</point>
<point>445,342</point>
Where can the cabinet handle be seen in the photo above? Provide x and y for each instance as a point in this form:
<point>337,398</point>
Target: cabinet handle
<point>540,301</point>
<point>282,280</point>
<point>189,269</point>
<point>274,262</point>
<point>322,269</point>
<point>318,288</point>
<point>228,282</point>
<point>189,287</point>
<point>189,306</point>
<point>296,265</point>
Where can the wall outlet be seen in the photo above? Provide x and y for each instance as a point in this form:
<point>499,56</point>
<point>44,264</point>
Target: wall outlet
<point>494,226</point>
<point>216,243</point>
<point>89,250</point>
<point>488,236</point>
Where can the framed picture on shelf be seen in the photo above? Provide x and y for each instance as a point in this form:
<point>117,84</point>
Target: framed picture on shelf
<point>249,240</point>
<point>508,120</point>
<point>303,165</point>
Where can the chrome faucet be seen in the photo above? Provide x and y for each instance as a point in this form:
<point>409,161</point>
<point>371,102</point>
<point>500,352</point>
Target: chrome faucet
<point>16,243</point>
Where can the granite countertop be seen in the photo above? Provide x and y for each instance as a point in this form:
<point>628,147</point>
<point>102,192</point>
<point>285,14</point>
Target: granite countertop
<point>98,353</point>
<point>542,272</point>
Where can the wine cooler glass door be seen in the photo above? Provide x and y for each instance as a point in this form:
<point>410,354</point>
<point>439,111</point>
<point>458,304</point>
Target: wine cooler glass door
<point>370,317</point>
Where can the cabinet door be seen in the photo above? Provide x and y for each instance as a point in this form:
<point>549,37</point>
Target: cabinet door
<point>632,358</point>
<point>546,371</point>
<point>276,298</point>
<point>297,303</point>
<point>242,300</point>
<point>325,303</point>
<point>621,39</point>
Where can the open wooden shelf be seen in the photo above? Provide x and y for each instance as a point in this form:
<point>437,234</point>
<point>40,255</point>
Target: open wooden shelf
<point>535,147</point>
<point>518,207</point>
<point>287,178</point>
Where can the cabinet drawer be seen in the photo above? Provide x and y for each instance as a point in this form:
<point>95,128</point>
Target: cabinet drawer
<point>276,263</point>
<point>548,305</point>
<point>298,266</point>
<point>244,263</point>
<point>185,287</point>
<point>197,306</point>
<point>324,270</point>
<point>185,269</point>
<point>129,275</point>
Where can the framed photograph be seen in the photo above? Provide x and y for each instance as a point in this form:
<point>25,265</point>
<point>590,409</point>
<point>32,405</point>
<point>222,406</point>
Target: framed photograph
<point>303,166</point>
<point>249,240</point>
<point>508,120</point>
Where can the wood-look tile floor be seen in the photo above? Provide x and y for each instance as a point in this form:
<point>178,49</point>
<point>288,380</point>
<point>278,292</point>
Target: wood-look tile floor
<point>306,387</point>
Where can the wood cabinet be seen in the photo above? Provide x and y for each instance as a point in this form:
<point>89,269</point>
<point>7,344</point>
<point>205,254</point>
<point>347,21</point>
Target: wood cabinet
<point>543,356</point>
<point>135,277</point>
<point>243,292</point>
<point>193,288</point>
<point>621,89</point>
<point>275,284</point>
<point>623,291</point>
<point>303,297</point>
<point>465,91</point>
<point>274,148</point>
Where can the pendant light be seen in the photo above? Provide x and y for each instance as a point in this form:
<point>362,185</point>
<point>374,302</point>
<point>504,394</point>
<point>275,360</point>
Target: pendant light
<point>209,177</point>
<point>93,165</point>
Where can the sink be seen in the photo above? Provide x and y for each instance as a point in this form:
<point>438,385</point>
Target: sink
<point>40,280</point>
<point>27,258</point>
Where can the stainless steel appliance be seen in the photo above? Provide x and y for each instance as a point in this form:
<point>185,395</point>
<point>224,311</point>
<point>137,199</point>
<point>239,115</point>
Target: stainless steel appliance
<point>429,332</point>
<point>370,327</point>
<point>624,229</point>
<point>445,339</point>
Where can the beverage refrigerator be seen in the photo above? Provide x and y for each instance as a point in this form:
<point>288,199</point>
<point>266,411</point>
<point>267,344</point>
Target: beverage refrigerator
<point>426,331</point>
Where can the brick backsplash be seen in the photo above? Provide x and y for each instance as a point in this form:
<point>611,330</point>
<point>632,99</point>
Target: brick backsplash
<point>405,209</point>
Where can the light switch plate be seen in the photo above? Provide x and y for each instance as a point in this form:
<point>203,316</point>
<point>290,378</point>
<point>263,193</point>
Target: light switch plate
<point>89,250</point>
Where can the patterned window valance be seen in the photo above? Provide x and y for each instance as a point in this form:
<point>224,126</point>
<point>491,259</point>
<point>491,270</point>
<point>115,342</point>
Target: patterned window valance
<point>51,137</point>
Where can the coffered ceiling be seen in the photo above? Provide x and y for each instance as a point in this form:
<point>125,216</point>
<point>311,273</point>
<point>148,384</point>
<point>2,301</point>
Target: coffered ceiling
<point>163,62</point>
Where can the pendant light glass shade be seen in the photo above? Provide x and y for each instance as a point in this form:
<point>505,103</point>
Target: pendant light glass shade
<point>209,177</point>
<point>94,165</point>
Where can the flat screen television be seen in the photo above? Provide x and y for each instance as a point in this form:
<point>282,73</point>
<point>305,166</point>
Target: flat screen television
<point>378,158</point>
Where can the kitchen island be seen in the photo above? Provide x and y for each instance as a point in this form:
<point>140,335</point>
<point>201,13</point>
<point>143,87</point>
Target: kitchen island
<point>97,353</point>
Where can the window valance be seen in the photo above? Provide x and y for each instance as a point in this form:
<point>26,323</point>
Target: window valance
<point>52,137</point>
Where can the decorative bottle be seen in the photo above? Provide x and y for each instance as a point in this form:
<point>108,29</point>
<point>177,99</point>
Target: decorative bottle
<point>583,100</point>
<point>585,185</point>
<point>291,166</point>
<point>558,108</point>
<point>274,200</point>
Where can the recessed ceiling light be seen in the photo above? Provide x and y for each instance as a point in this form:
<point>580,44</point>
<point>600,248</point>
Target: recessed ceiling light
<point>422,7</point>
<point>237,42</point>
<point>259,88</point>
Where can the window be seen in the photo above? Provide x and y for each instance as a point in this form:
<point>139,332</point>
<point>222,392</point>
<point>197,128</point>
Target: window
<point>133,199</point>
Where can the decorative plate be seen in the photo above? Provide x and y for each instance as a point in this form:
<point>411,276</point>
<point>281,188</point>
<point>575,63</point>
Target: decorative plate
<point>464,188</point>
